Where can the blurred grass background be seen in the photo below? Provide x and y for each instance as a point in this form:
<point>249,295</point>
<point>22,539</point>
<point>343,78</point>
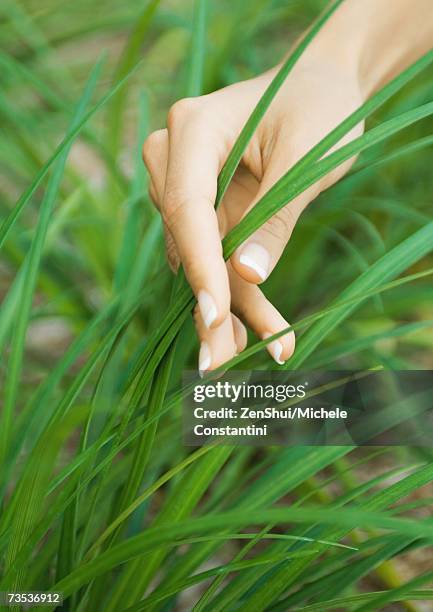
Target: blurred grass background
<point>47,51</point>
<point>104,240</point>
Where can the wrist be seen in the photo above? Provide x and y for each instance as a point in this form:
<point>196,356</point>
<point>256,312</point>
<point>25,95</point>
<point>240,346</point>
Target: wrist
<point>374,40</point>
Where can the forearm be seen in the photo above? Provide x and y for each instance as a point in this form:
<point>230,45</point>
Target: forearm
<point>378,38</point>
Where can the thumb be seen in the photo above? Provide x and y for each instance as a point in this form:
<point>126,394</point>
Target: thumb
<point>255,259</point>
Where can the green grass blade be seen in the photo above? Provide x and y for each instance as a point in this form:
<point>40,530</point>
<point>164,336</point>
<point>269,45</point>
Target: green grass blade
<point>125,514</point>
<point>284,190</point>
<point>127,63</point>
<point>67,547</point>
<point>286,576</point>
<point>194,86</point>
<point>9,305</point>
<point>31,489</point>
<point>250,127</point>
<point>133,223</point>
<point>327,356</point>
<point>30,277</point>
<point>408,149</point>
<point>344,602</point>
<point>349,518</point>
<point>141,457</point>
<point>332,585</point>
<point>179,505</point>
<point>31,415</point>
<point>363,112</point>
<point>386,268</point>
<point>395,594</point>
<point>12,217</point>
<point>302,175</point>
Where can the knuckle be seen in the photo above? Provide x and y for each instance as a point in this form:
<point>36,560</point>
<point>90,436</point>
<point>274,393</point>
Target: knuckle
<point>178,204</point>
<point>281,225</point>
<point>182,110</point>
<point>174,204</point>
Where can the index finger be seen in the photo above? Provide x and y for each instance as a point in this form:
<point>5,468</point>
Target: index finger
<point>194,160</point>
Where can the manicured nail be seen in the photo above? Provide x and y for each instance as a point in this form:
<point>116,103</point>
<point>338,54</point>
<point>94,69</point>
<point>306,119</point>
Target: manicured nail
<point>204,359</point>
<point>256,257</point>
<point>208,309</point>
<point>275,348</point>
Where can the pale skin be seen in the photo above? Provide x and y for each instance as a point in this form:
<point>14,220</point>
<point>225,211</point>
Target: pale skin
<point>362,46</point>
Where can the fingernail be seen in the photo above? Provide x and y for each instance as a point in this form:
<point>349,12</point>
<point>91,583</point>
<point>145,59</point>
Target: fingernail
<point>256,257</point>
<point>204,359</point>
<point>208,309</point>
<point>275,348</point>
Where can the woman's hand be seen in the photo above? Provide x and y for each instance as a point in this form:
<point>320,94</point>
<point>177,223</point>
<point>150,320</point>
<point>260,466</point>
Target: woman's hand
<point>185,159</point>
